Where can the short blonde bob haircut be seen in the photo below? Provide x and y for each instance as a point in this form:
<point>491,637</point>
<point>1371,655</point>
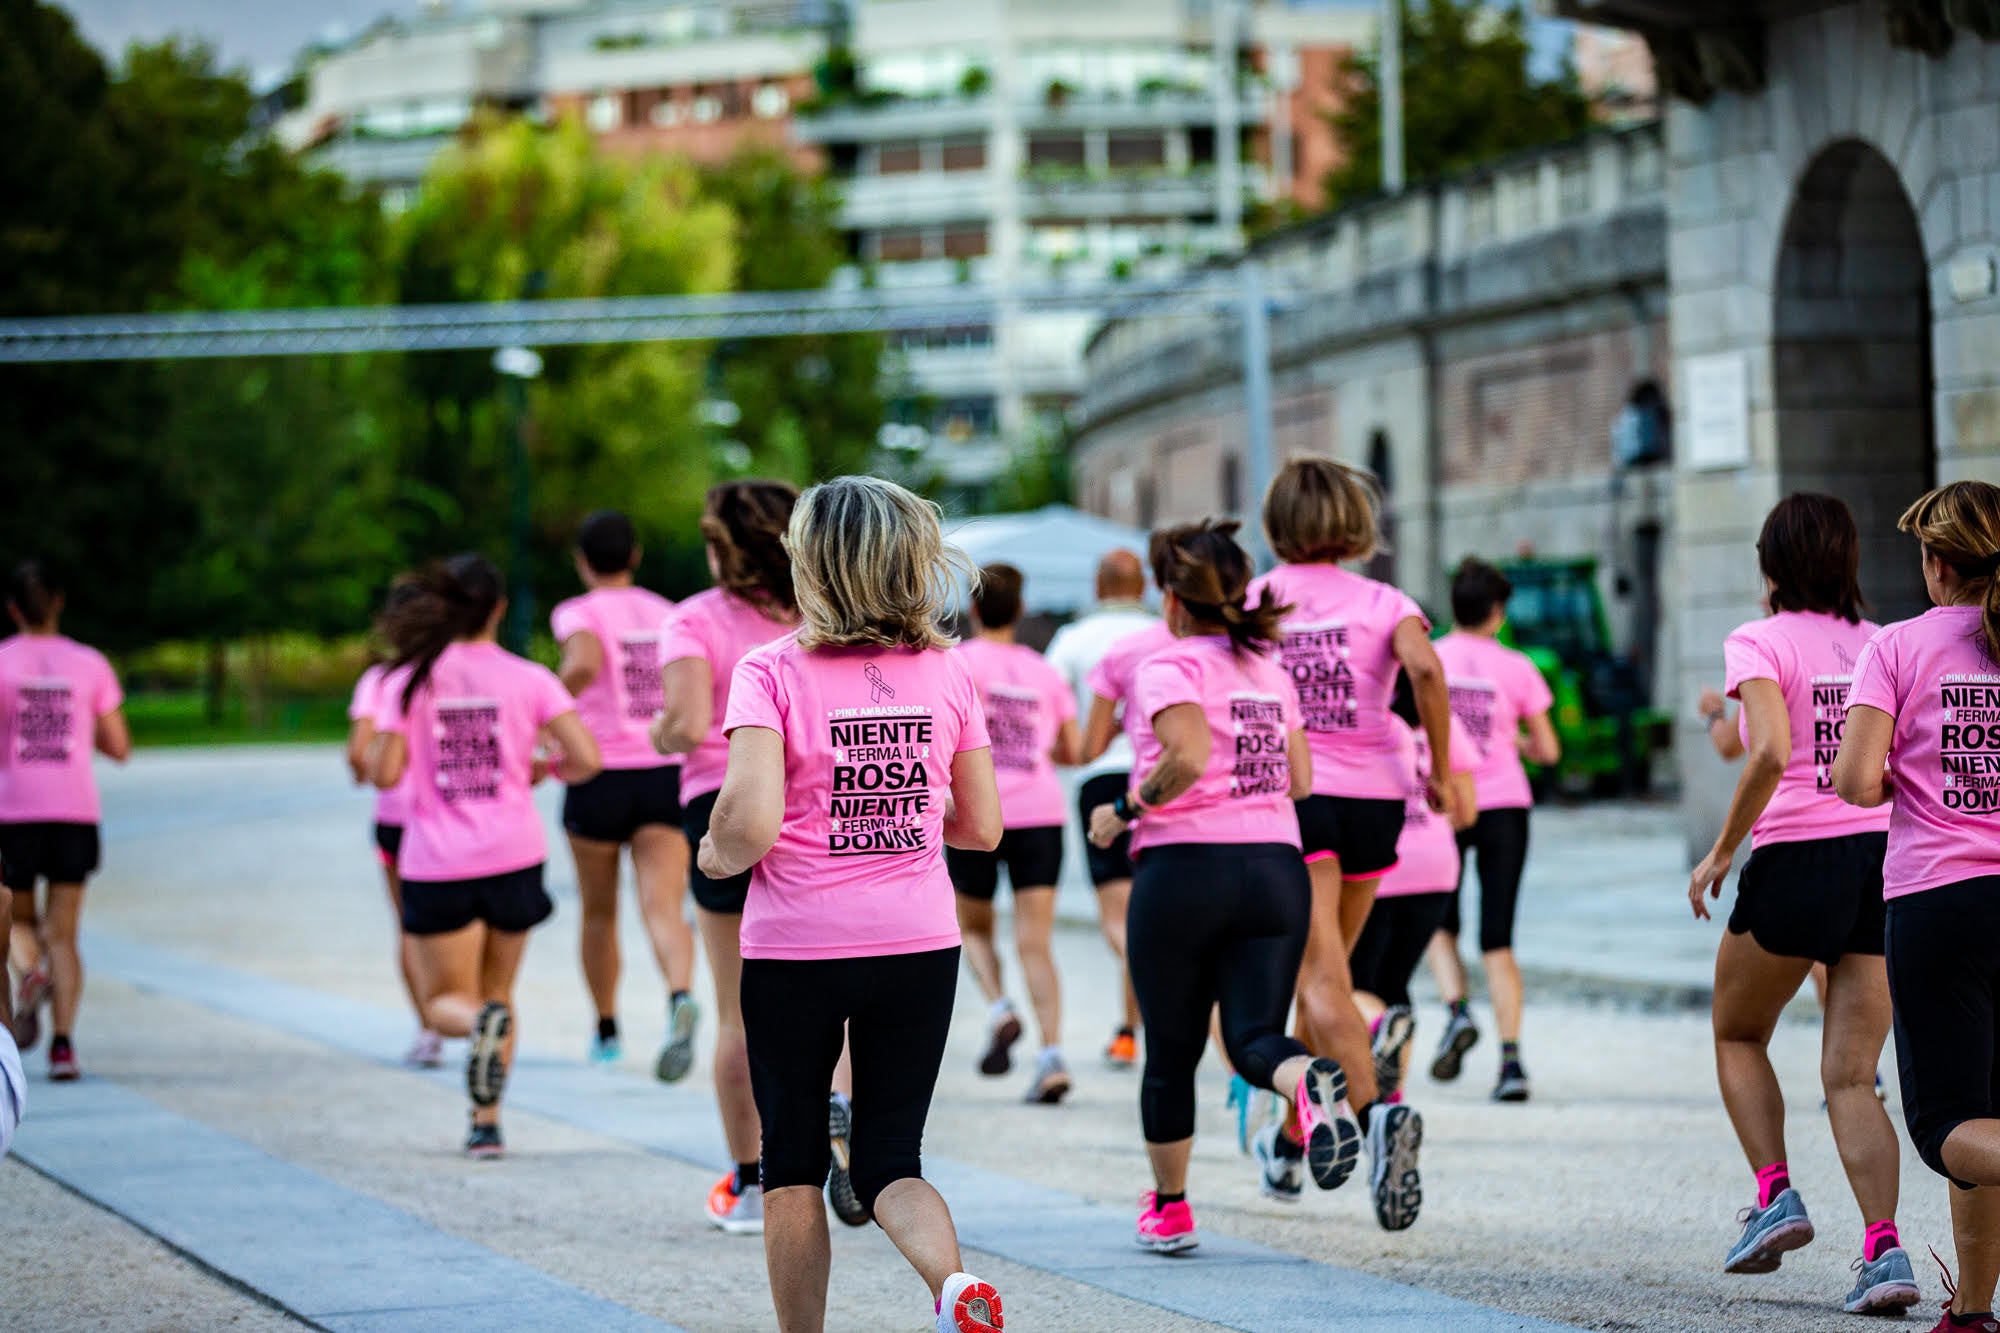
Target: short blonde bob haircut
<point>1318,510</point>
<point>871,567</point>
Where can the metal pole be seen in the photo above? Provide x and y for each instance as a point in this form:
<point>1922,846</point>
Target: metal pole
<point>1228,124</point>
<point>1259,465</point>
<point>520,606</point>
<point>1392,96</point>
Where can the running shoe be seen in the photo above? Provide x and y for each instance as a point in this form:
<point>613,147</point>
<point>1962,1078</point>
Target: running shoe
<point>1001,1034</point>
<point>606,1050</point>
<point>969,1305</point>
<point>426,1050</point>
<point>677,1057</point>
<point>483,1144</point>
<point>36,988</point>
<point>847,1205</point>
<point>63,1067</point>
<point>1886,1287</point>
<point>1123,1052</point>
<point>1982,1322</point>
<point>1768,1233</point>
<point>1168,1230</point>
<point>1394,1135</point>
<point>1512,1085</point>
<point>1239,1102</point>
<point>1392,1033</point>
<point>738,1213</point>
<point>486,1062</point>
<point>1283,1177</point>
<point>1461,1034</point>
<point>1051,1083</point>
<point>1326,1123</point>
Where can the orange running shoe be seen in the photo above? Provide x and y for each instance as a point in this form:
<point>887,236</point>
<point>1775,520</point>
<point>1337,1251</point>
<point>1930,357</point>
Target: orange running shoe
<point>1123,1052</point>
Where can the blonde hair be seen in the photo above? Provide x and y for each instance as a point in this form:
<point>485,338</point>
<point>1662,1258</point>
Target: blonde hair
<point>1319,510</point>
<point>1960,525</point>
<point>871,567</point>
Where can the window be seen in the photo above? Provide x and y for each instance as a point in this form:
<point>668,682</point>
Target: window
<point>900,245</point>
<point>606,113</point>
<point>667,114</point>
<point>1129,151</point>
<point>707,110</point>
<point>965,241</point>
<point>899,157</point>
<point>1055,150</point>
<point>770,101</point>
<point>966,153</point>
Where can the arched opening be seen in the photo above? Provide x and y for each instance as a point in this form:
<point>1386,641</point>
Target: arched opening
<point>1382,464</point>
<point>1851,360</point>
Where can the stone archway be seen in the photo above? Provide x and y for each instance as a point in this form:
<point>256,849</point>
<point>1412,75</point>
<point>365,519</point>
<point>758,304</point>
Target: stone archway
<point>1851,359</point>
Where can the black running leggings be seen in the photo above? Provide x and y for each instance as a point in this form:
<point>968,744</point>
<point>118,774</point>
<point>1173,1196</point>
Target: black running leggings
<point>895,1012</point>
<point>1386,954</point>
<point>1498,843</point>
<point>1213,923</point>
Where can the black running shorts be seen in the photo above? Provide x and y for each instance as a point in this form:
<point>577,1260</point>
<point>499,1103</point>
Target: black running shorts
<point>721,896</point>
<point>1359,832</point>
<point>1033,857</point>
<point>1819,899</point>
<point>512,902</point>
<point>1944,980</point>
<point>389,843</point>
<point>618,802</point>
<point>1106,863</point>
<point>55,853</point>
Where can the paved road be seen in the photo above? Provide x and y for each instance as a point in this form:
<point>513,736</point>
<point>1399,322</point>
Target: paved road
<point>246,1154</point>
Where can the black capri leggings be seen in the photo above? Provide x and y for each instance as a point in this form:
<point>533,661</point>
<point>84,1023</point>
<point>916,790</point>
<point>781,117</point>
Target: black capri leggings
<point>1944,976</point>
<point>1213,923</point>
<point>1390,946</point>
<point>895,1012</point>
<point>1498,845</point>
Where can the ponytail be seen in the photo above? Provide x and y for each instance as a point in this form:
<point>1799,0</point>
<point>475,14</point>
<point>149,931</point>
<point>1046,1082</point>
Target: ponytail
<point>1960,525</point>
<point>430,610</point>
<point>1202,564</point>
<point>744,524</point>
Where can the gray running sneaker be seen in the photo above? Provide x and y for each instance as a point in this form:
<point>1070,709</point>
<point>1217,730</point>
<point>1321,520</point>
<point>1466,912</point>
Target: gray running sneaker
<point>677,1056</point>
<point>1886,1287</point>
<point>1392,1034</point>
<point>1768,1233</point>
<point>1512,1085</point>
<point>1051,1083</point>
<point>1283,1178</point>
<point>1394,1135</point>
<point>847,1205</point>
<point>1461,1034</point>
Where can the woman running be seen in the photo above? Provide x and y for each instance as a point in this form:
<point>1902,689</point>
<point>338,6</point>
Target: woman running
<point>752,603</point>
<point>1031,718</point>
<point>1811,891</point>
<point>1414,897</point>
<point>426,1048</point>
<point>857,752</point>
<point>1221,901</point>
<point>59,702</point>
<point>1926,693</point>
<point>610,639</point>
<point>1497,693</point>
<point>1343,641</point>
<point>460,718</point>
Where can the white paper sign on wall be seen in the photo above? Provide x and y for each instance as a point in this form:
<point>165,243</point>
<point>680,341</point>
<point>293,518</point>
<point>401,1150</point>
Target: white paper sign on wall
<point>1718,410</point>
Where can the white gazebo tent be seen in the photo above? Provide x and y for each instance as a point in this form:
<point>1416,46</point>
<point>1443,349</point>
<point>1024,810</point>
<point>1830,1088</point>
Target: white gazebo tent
<point>1056,548</point>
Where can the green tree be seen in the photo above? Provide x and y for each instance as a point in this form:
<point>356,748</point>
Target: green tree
<point>1469,96</point>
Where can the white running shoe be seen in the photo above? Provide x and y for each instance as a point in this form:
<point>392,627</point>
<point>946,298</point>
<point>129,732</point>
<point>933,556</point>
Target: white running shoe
<point>1283,1178</point>
<point>426,1050</point>
<point>969,1305</point>
<point>1394,1135</point>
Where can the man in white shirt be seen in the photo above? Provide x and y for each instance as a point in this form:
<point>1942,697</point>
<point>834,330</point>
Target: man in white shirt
<point>13,1083</point>
<point>1076,648</point>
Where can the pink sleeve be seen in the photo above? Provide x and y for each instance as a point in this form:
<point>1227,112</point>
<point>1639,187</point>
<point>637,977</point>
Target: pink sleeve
<point>567,619</point>
<point>389,700</point>
<point>109,695</point>
<point>1057,691</point>
<point>367,693</point>
<point>1532,694</point>
<point>1164,682</point>
<point>1407,608</point>
<point>1465,756</point>
<point>1098,679</point>
<point>551,700</point>
<point>753,697</point>
<point>1746,657</point>
<point>1875,684</point>
<point>972,733</point>
<point>684,634</point>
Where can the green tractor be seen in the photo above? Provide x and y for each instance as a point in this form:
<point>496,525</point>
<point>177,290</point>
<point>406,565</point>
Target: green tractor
<point>1609,734</point>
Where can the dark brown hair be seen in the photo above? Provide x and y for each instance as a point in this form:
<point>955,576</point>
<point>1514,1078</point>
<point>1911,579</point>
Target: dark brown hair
<point>34,590</point>
<point>1202,564</point>
<point>744,524</point>
<point>1960,525</point>
<point>1810,550</point>
<point>997,602</point>
<point>1319,510</point>
<point>1476,588</point>
<point>606,541</point>
<point>443,602</point>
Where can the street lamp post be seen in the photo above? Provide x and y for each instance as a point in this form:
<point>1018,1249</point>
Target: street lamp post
<point>518,365</point>
<point>1392,96</point>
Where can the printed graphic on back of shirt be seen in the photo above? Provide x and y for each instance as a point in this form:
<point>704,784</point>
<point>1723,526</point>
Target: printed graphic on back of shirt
<point>639,667</point>
<point>44,712</point>
<point>1013,719</point>
<point>1473,703</point>
<point>1262,766</point>
<point>1829,708</point>
<point>1417,801</point>
<point>1316,655</point>
<point>881,774</point>
<point>1969,742</point>
<point>467,735</point>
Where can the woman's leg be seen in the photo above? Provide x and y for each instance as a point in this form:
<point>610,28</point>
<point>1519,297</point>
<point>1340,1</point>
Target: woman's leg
<point>1503,856</point>
<point>1034,928</point>
<point>1114,899</point>
<point>1975,1231</point>
<point>597,936</point>
<point>975,926</point>
<point>449,966</point>
<point>1328,1022</point>
<point>499,963</point>
<point>734,1097</point>
<point>24,930</point>
<point>1752,988</point>
<point>1357,900</point>
<point>660,873</point>
<point>1172,958</point>
<point>59,929</point>
<point>1856,1026</point>
<point>406,944</point>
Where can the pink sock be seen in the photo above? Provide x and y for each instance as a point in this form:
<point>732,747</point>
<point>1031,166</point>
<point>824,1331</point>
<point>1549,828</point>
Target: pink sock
<point>1881,1236</point>
<point>1772,1181</point>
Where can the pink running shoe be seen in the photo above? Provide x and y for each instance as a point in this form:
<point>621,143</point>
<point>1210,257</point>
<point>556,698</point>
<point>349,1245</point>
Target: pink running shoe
<point>1168,1230</point>
<point>1326,1123</point>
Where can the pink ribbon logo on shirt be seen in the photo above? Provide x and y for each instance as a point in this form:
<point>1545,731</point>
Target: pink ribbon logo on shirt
<point>878,688</point>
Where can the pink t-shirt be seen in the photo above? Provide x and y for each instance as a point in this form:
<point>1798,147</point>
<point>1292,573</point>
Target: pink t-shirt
<point>1933,677</point>
<point>1427,851</point>
<point>1026,702</point>
<point>471,732</point>
<point>389,805</point>
<point>718,628</point>
<point>1244,794</point>
<point>1338,643</point>
<point>1493,687</point>
<point>622,700</point>
<point>870,734</point>
<point>1810,657</point>
<point>1112,677</point>
<point>52,691</point>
